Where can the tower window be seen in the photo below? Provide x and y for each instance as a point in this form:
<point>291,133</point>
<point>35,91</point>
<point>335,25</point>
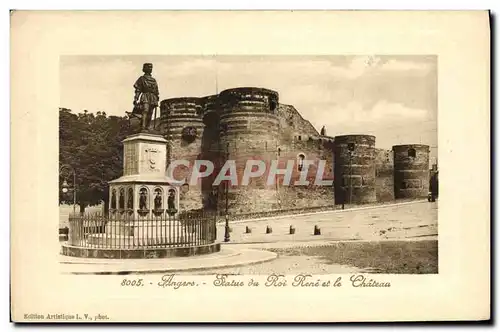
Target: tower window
<point>412,153</point>
<point>300,138</point>
<point>272,105</point>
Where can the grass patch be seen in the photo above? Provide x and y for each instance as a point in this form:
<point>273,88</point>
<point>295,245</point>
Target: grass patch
<point>389,257</point>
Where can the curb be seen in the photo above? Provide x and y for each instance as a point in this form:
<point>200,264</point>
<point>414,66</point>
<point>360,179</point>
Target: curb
<point>130,270</point>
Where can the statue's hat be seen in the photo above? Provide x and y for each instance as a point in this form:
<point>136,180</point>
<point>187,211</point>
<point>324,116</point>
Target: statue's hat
<point>147,64</point>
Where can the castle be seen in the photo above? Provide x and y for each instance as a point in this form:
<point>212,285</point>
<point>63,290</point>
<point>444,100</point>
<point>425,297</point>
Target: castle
<point>250,123</point>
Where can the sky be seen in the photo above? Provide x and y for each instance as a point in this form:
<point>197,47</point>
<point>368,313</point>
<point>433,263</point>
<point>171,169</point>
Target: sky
<point>391,97</point>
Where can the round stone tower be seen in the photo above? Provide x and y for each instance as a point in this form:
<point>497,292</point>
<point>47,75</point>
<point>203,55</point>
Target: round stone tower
<point>210,118</point>
<point>411,170</point>
<point>354,168</point>
<point>182,125</point>
<point>249,129</point>
<point>210,147</point>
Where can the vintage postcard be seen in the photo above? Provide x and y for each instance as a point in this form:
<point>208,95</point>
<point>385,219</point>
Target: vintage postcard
<point>281,166</point>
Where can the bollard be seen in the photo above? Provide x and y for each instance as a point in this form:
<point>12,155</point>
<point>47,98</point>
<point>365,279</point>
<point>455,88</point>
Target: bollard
<point>292,229</point>
<point>317,230</point>
<point>269,230</point>
<point>248,230</point>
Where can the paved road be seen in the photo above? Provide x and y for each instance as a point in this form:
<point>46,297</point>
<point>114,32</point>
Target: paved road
<point>400,221</point>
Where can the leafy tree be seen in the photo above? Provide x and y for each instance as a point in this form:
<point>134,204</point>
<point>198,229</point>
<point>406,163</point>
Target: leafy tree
<point>91,145</point>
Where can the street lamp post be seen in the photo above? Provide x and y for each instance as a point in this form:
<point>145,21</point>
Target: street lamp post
<point>65,187</point>
<point>226,230</point>
<point>350,177</point>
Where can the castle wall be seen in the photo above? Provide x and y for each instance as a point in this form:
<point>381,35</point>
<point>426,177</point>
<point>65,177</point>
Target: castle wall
<point>384,170</point>
<point>356,173</point>
<point>293,125</point>
<point>298,136</point>
<point>411,171</point>
<point>313,194</point>
<point>242,124</point>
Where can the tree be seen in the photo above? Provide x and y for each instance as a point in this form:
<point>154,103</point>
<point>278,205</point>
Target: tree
<point>91,145</point>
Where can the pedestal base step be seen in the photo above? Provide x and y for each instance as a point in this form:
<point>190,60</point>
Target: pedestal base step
<point>122,241</point>
<point>131,253</point>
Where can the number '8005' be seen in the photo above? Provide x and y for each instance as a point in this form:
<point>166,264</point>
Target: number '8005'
<point>137,282</point>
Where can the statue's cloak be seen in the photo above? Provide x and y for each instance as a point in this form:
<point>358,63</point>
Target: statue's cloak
<point>148,88</point>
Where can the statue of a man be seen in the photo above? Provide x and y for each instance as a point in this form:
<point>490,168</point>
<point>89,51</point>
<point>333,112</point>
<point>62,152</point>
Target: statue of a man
<point>171,200</point>
<point>158,201</point>
<point>146,95</point>
<point>143,200</point>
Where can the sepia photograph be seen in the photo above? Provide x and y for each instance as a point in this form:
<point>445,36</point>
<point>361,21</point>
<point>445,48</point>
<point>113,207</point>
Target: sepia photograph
<point>249,164</point>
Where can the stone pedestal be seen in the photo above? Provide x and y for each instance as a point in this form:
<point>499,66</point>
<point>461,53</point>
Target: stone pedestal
<point>144,212</point>
<point>143,191</point>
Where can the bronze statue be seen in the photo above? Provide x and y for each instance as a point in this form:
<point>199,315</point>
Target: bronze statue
<point>121,200</point>
<point>146,96</point>
<point>171,199</point>
<point>130,201</point>
<point>158,200</point>
<point>143,200</point>
<point>113,199</point>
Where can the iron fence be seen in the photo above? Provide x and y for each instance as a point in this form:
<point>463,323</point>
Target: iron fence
<point>120,231</point>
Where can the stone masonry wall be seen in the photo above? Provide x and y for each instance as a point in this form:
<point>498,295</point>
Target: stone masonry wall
<point>384,181</point>
<point>312,194</point>
<point>177,115</point>
<point>411,170</point>
<point>249,130</point>
<point>356,173</point>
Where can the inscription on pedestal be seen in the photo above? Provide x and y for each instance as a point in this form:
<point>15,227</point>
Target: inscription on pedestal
<point>153,158</point>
